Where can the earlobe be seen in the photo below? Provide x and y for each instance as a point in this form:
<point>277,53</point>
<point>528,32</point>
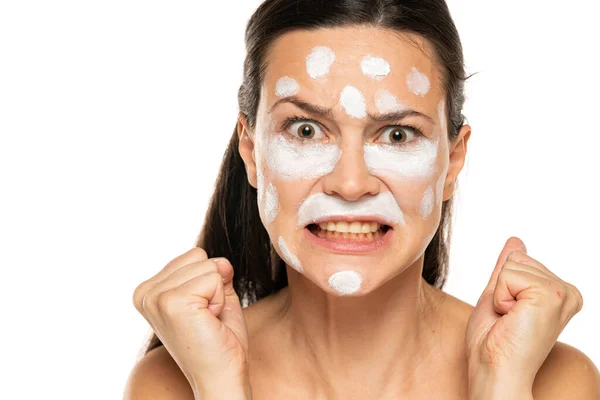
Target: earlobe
<point>246,148</point>
<point>457,157</point>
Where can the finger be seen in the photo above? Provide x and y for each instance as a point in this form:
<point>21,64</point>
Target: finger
<point>513,243</point>
<point>511,284</point>
<point>510,264</point>
<point>185,273</point>
<point>193,255</point>
<point>204,292</point>
<point>522,258</point>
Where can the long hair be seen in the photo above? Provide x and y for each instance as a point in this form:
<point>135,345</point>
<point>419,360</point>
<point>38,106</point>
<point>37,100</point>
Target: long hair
<point>232,227</point>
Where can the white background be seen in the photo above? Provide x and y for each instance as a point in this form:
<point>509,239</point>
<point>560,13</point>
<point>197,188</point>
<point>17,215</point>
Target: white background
<point>114,116</point>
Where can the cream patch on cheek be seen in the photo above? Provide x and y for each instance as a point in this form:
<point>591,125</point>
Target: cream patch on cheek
<point>426,205</point>
<point>439,189</point>
<point>286,87</point>
<point>417,82</point>
<point>319,61</point>
<point>345,282</point>
<point>386,102</point>
<point>295,161</point>
<point>288,256</point>
<point>271,204</point>
<point>418,162</point>
<point>353,102</point>
<point>375,67</point>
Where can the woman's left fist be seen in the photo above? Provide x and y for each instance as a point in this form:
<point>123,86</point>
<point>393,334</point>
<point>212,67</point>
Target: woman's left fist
<point>518,317</point>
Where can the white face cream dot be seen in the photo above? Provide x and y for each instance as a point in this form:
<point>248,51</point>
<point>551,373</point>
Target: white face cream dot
<point>345,282</point>
<point>287,256</point>
<point>426,205</point>
<point>386,102</point>
<point>353,102</point>
<point>271,204</point>
<point>286,87</point>
<point>417,82</point>
<point>375,67</point>
<point>319,61</point>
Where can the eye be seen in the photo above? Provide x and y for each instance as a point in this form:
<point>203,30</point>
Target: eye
<point>306,130</point>
<point>398,135</point>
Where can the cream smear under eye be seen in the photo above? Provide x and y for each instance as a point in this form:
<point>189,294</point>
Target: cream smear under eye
<point>417,162</point>
<point>300,161</point>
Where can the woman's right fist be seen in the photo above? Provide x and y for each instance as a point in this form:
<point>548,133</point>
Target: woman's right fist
<point>193,309</point>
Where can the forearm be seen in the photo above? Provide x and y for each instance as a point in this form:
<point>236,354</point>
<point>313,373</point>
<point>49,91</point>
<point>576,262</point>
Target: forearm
<point>497,386</point>
<point>224,392</point>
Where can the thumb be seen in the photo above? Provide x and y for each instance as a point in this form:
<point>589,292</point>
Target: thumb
<point>232,314</point>
<point>513,243</point>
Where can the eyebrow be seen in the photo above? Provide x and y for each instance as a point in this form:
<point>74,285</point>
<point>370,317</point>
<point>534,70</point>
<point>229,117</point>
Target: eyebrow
<point>326,112</point>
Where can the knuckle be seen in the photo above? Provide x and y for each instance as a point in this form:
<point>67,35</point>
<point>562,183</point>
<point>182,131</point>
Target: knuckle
<point>137,297</point>
<point>199,253</point>
<point>167,303</point>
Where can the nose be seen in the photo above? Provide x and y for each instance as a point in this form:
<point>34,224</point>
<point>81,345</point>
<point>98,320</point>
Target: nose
<point>351,179</point>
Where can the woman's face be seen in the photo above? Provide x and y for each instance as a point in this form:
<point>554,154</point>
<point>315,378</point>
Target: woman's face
<point>350,154</point>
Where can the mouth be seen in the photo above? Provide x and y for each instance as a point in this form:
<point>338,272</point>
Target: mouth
<point>346,235</point>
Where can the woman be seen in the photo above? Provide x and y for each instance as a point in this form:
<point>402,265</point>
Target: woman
<point>331,218</point>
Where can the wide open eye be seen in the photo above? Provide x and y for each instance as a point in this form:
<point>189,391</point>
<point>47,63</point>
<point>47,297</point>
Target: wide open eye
<point>306,130</point>
<point>398,135</point>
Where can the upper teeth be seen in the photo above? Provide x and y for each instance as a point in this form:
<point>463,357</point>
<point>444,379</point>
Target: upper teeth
<point>354,227</point>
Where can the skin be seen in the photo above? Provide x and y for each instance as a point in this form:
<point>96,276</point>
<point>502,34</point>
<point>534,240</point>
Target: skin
<point>398,337</point>
<point>393,297</point>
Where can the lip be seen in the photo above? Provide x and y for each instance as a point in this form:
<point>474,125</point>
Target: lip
<point>352,218</point>
<point>348,246</point>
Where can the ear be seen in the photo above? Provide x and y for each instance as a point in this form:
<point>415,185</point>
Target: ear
<point>458,154</point>
<point>246,148</point>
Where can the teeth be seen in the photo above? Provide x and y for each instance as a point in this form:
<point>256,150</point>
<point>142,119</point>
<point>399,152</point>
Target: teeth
<point>352,227</point>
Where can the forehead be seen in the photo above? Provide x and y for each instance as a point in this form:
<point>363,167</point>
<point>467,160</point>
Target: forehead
<point>350,45</point>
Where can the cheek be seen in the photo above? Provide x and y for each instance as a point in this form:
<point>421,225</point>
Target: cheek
<point>293,161</point>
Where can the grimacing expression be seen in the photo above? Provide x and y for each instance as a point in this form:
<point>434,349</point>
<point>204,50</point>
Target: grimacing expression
<point>350,154</point>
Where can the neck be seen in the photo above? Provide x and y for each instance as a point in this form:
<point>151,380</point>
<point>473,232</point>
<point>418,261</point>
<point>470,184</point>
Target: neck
<point>378,338</point>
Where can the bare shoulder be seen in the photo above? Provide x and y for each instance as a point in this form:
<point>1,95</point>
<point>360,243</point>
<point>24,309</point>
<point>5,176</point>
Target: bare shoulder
<point>567,373</point>
<point>157,376</point>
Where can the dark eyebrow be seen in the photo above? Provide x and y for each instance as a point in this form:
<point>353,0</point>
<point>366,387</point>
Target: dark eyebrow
<point>326,112</point>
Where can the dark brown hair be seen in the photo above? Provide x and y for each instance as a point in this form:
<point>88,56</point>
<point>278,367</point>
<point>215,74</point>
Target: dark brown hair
<point>232,227</point>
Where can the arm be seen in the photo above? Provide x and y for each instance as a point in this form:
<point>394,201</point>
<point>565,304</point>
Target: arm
<point>567,373</point>
<point>157,376</point>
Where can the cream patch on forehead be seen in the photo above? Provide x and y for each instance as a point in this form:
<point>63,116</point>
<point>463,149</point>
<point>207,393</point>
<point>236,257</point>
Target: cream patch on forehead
<point>289,257</point>
<point>271,204</point>
<point>353,102</point>
<point>286,87</point>
<point>290,160</point>
<point>319,61</point>
<point>426,206</point>
<point>417,82</point>
<point>345,282</point>
<point>386,102</point>
<point>417,162</point>
<point>375,67</point>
